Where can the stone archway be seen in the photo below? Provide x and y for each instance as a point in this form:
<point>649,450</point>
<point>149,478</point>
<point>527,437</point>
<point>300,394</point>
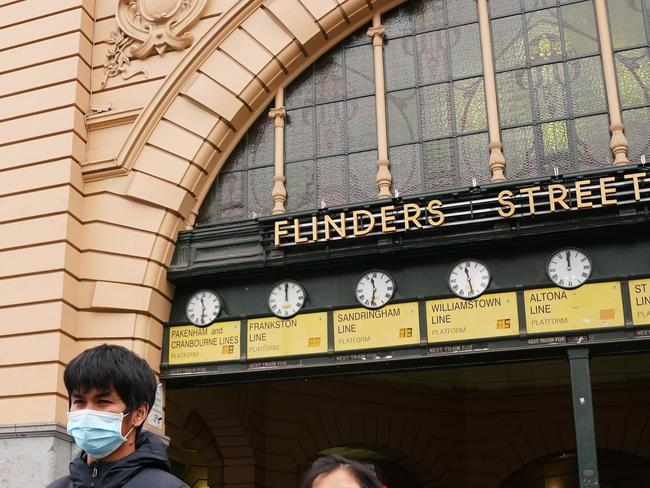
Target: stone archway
<point>134,207</point>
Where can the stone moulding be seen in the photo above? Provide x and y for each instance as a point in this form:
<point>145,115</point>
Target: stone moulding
<point>147,27</point>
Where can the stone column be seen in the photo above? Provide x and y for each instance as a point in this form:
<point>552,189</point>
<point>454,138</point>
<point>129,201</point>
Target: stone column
<point>384,178</point>
<point>279,192</point>
<point>496,162</point>
<point>618,143</point>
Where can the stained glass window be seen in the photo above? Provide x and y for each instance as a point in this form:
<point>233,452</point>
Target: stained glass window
<point>550,91</point>
<point>549,86</point>
<point>435,96</point>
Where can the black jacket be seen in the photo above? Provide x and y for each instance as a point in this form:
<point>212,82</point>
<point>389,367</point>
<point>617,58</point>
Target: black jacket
<point>146,467</point>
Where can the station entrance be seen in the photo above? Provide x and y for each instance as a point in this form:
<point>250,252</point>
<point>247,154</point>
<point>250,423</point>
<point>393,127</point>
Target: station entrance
<point>504,425</point>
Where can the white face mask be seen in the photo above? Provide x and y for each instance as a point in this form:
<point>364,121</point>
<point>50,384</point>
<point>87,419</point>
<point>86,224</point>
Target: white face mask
<point>97,433</point>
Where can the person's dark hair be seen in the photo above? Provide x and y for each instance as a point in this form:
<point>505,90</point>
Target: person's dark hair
<point>327,464</point>
<point>112,365</point>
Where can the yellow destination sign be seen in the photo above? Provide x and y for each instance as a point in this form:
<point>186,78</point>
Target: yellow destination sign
<point>392,325</point>
<point>640,301</point>
<point>454,319</point>
<point>218,342</point>
<point>593,306</point>
<point>271,337</point>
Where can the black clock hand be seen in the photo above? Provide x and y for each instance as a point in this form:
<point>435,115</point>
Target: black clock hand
<point>286,292</point>
<point>469,280</point>
<point>568,260</point>
<point>374,291</point>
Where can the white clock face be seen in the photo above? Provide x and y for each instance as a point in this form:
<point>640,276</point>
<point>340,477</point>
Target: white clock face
<point>374,289</point>
<point>469,278</point>
<point>203,307</point>
<point>569,268</point>
<point>286,298</point>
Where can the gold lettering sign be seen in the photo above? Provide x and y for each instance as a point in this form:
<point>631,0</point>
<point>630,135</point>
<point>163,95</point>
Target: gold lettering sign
<point>593,306</point>
<point>271,337</point>
<point>454,319</point>
<point>640,301</point>
<point>392,325</point>
<point>216,343</point>
<point>409,217</point>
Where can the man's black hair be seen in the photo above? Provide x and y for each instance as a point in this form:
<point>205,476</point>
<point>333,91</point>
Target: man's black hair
<point>112,365</point>
<point>327,464</point>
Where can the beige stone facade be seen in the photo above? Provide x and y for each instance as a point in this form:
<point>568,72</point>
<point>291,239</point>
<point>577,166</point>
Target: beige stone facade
<point>99,173</point>
<point>98,180</point>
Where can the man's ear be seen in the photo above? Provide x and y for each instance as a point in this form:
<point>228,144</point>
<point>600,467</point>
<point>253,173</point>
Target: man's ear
<point>140,414</point>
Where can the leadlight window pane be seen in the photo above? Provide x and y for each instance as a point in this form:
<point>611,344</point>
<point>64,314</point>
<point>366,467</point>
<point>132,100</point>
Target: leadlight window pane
<point>331,181</point>
<point>469,103</point>
<point>398,22</point>
<point>362,129</point>
<point>261,142</point>
<point>435,111</point>
<point>504,7</point>
<point>230,196</point>
<point>299,134</point>
<point>465,51</point>
<point>330,129</point>
<point>592,143</point>
<point>328,76</point>
<point>473,159</point>
<point>429,15</point>
<point>406,169</point>
<point>402,117</point>
<point>399,63</point>
<point>508,41</point>
<point>432,61</point>
<point>513,93</point>
<point>633,76</point>
<point>549,88</point>
<point>209,212</point>
<point>535,4</point>
<point>580,33</point>
<point>300,186</point>
<point>519,151</point>
<point>636,124</point>
<point>587,86</point>
<point>362,171</point>
<point>554,147</point>
<point>238,157</point>
<point>543,33</point>
<point>626,23</point>
<point>439,165</point>
<point>300,93</point>
<point>260,184</point>
<point>358,38</point>
<point>461,11</point>
<point>359,78</point>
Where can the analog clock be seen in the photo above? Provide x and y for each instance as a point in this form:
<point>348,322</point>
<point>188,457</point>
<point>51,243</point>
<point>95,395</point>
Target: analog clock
<point>203,307</point>
<point>569,267</point>
<point>469,278</point>
<point>286,298</point>
<point>374,289</point>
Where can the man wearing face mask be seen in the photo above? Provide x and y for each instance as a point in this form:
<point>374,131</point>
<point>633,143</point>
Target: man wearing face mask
<point>111,391</point>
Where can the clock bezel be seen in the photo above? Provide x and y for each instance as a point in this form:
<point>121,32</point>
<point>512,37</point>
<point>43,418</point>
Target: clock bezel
<point>475,261</point>
<point>566,248</point>
<point>219,301</point>
<point>268,298</point>
<point>375,270</point>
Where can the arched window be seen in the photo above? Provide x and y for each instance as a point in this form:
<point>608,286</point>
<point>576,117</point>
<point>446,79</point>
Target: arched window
<point>551,97</point>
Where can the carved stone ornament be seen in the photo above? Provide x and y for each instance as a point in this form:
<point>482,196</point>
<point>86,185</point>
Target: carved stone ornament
<point>149,27</point>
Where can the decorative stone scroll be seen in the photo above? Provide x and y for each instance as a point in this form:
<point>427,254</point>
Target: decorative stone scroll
<point>148,27</point>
